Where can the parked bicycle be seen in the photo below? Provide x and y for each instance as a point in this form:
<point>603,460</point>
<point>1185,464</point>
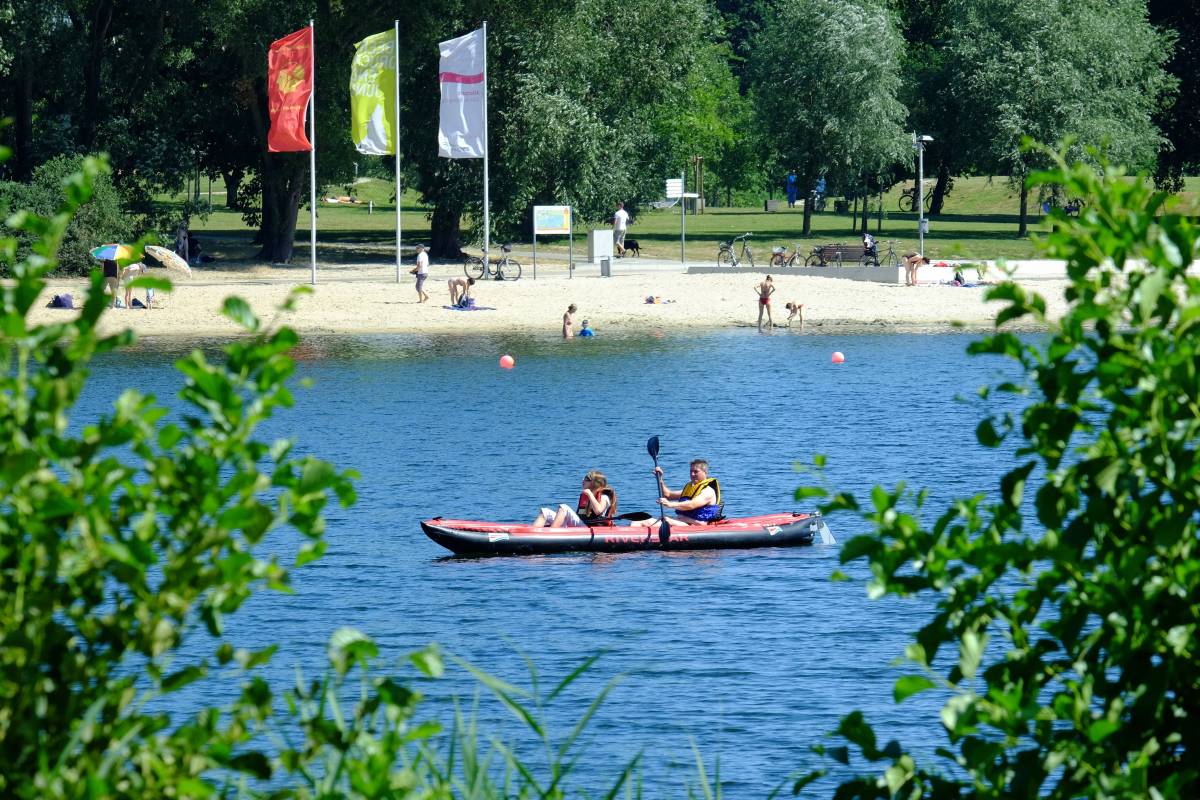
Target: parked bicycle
<point>504,268</point>
<point>727,257</point>
<point>780,257</point>
<point>908,199</point>
<point>888,259</point>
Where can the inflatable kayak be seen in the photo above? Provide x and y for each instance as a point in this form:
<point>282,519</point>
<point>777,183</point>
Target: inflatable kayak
<point>476,538</point>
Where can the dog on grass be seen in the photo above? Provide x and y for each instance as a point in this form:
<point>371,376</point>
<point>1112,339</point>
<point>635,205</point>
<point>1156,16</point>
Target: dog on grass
<point>632,248</point>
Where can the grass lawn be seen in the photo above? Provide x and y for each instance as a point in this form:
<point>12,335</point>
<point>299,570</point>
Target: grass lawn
<point>980,222</point>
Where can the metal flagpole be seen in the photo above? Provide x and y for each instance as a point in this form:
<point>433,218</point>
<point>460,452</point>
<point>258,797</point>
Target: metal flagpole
<point>396,141</point>
<point>486,222</point>
<point>312,155</point>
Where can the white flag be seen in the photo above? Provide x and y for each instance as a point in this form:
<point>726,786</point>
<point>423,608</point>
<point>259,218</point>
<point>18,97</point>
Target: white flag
<point>462,132</point>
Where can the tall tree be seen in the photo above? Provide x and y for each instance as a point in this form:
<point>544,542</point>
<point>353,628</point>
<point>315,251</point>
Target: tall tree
<point>833,108</point>
<point>1180,120</point>
<point>1053,69</point>
<point>573,110</point>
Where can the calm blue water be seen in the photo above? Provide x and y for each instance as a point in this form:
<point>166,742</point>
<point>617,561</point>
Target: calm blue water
<point>751,655</point>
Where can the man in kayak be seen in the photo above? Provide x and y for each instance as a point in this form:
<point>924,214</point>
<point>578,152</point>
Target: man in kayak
<point>697,503</point>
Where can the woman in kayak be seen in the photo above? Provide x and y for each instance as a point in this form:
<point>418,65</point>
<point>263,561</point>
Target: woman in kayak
<point>697,503</point>
<point>597,504</point>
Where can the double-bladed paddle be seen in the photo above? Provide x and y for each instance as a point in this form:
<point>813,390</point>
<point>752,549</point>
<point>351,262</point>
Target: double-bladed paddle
<point>664,528</point>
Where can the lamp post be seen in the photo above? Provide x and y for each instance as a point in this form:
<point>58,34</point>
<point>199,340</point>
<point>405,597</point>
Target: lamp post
<point>919,143</point>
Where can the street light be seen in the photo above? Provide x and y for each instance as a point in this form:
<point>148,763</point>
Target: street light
<point>919,143</point>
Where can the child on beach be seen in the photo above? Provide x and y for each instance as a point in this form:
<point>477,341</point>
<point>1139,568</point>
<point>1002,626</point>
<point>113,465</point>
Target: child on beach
<point>585,331</point>
<point>795,310</point>
<point>568,329</point>
<point>460,290</point>
<point>764,291</point>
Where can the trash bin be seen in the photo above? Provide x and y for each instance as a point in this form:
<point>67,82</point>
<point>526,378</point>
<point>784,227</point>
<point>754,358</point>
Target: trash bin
<point>606,268</point>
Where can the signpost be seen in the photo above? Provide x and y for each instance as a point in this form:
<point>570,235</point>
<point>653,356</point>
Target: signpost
<point>674,189</point>
<point>554,220</point>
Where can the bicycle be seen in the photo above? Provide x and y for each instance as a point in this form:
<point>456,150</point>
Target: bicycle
<point>908,200</point>
<point>500,269</point>
<point>888,259</point>
<point>726,257</point>
<point>781,258</point>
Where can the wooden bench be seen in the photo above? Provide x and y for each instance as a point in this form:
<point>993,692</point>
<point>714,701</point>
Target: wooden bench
<point>836,255</point>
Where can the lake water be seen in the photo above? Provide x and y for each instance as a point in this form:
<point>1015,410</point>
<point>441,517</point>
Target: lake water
<point>751,655</point>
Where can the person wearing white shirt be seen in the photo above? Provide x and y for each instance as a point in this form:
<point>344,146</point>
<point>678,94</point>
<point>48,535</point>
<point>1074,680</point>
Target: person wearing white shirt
<point>620,224</point>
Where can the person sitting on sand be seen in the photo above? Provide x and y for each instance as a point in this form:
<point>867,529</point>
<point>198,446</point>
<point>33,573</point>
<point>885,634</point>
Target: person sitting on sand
<point>697,503</point>
<point>911,262</point>
<point>795,310</point>
<point>460,290</point>
<point>596,506</point>
<point>764,291</point>
<point>568,329</point>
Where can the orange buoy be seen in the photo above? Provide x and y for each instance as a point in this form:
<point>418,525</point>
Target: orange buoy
<point>507,361</point>
<point>837,358</point>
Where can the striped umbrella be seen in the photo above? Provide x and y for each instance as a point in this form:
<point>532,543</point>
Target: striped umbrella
<point>168,258</point>
<point>112,252</point>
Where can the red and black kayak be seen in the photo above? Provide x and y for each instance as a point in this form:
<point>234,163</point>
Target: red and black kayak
<point>477,538</point>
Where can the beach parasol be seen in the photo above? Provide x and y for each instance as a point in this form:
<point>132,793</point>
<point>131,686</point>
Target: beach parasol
<point>112,252</point>
<point>168,258</point>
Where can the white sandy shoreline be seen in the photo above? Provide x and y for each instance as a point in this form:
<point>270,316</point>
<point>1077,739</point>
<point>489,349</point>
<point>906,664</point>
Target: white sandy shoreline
<point>365,299</point>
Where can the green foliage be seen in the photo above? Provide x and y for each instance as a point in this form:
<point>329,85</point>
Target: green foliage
<point>96,221</point>
<point>137,533</point>
<point>826,76</point>
<point>1065,643</point>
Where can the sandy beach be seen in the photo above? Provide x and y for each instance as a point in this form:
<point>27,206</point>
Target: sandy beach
<point>360,299</point>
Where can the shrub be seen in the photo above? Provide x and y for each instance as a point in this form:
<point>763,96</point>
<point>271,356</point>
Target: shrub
<point>1091,686</point>
<point>97,221</point>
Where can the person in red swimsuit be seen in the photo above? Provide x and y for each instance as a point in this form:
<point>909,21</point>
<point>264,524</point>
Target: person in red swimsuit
<point>764,291</point>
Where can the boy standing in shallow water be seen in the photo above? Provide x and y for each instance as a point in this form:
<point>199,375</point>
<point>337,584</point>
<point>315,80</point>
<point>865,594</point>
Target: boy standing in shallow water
<point>795,310</point>
<point>764,291</point>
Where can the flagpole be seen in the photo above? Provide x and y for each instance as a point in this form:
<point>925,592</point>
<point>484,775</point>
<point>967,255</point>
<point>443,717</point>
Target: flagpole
<point>396,141</point>
<point>312,158</point>
<point>486,225</point>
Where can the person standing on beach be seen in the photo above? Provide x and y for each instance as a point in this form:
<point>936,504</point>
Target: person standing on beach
<point>621,222</point>
<point>460,290</point>
<point>568,324</point>
<point>911,262</point>
<point>764,291</point>
<point>421,270</point>
<point>112,279</point>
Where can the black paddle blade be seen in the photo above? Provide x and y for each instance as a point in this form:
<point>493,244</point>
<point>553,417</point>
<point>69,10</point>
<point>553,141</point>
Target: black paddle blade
<point>664,531</point>
<point>652,446</point>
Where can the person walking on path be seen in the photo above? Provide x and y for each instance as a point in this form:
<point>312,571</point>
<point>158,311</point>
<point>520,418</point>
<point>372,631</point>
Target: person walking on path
<point>421,270</point>
<point>621,220</point>
<point>764,291</point>
<point>568,329</point>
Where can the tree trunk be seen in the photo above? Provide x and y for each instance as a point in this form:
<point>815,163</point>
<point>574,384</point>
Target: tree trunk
<point>866,213</point>
<point>444,232</point>
<point>285,177</point>
<point>23,155</point>
<point>807,230</point>
<point>1022,226</point>
<point>233,182</point>
<point>97,36</point>
<point>941,187</point>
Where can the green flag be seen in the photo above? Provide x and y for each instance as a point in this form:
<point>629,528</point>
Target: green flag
<point>373,95</point>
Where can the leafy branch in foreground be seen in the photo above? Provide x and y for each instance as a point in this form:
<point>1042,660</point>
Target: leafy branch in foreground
<point>1072,668</point>
<point>126,539</point>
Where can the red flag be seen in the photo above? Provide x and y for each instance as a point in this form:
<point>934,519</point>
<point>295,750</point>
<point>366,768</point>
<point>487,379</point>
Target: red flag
<point>289,85</point>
